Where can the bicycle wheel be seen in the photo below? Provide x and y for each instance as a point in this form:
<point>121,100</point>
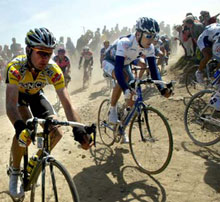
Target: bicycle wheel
<point>202,122</point>
<point>192,86</point>
<point>151,141</point>
<point>105,130</point>
<point>56,185</point>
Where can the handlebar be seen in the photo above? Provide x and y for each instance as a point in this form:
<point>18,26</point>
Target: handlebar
<point>33,123</point>
<point>148,80</point>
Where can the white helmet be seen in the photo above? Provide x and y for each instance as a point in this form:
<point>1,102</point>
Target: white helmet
<point>40,37</point>
<point>216,49</point>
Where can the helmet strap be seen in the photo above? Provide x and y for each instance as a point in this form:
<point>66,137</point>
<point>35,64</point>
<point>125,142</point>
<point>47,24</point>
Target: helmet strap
<point>139,40</point>
<point>30,64</point>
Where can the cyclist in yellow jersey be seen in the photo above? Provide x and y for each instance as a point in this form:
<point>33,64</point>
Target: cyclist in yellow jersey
<point>25,78</point>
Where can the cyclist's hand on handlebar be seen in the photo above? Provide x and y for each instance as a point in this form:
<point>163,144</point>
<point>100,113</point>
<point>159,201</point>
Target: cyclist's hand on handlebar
<point>22,133</point>
<point>81,135</point>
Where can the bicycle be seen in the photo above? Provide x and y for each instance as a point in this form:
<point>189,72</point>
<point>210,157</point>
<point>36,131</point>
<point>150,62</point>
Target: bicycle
<point>201,120</point>
<point>192,86</point>
<point>52,173</point>
<point>155,136</point>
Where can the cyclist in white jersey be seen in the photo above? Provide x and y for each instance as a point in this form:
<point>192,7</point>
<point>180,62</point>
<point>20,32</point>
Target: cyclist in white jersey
<point>121,54</point>
<point>205,42</point>
<point>215,99</point>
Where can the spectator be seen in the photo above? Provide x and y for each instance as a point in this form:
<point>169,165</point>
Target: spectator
<point>206,19</point>
<point>15,48</point>
<point>185,40</point>
<point>70,48</point>
<point>196,28</point>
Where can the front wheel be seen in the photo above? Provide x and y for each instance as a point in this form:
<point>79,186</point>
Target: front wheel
<point>202,122</point>
<point>151,141</point>
<point>53,184</point>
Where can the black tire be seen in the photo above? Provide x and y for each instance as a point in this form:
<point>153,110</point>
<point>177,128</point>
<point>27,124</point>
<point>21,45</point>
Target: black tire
<point>200,131</point>
<point>106,134</point>
<point>66,183</point>
<point>153,154</point>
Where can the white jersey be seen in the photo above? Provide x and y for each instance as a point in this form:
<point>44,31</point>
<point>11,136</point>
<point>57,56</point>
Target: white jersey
<point>128,48</point>
<point>209,35</point>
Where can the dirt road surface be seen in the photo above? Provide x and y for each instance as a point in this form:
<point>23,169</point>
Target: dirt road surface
<point>109,174</point>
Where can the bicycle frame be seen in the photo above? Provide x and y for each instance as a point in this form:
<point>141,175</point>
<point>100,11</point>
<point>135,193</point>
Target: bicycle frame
<point>136,109</point>
<point>44,156</point>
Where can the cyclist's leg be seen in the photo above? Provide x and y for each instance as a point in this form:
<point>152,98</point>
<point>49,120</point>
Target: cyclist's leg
<point>17,151</point>
<point>129,77</point>
<point>85,76</point>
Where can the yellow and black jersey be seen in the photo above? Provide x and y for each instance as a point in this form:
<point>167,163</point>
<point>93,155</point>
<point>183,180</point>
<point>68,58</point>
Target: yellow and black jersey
<point>17,72</point>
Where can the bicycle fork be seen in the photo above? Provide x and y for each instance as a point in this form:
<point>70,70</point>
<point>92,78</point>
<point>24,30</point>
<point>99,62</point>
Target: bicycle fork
<point>46,161</point>
<point>148,136</point>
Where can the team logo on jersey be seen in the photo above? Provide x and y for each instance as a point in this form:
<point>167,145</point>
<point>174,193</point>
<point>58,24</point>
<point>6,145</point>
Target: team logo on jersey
<point>32,85</point>
<point>126,45</point>
<point>16,74</point>
<point>56,77</point>
<point>48,72</point>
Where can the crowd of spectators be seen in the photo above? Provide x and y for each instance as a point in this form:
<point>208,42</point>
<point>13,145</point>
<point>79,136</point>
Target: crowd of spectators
<point>7,53</point>
<point>189,31</point>
<point>94,40</point>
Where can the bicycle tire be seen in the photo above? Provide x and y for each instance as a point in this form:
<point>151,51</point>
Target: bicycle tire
<point>159,127</point>
<point>201,132</point>
<point>51,162</point>
<point>106,135</point>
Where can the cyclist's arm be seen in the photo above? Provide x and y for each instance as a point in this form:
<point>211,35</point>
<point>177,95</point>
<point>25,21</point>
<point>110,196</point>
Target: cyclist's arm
<point>69,110</point>
<point>68,68</point>
<point>72,115</point>
<point>119,64</point>
<point>11,103</point>
<point>155,74</point>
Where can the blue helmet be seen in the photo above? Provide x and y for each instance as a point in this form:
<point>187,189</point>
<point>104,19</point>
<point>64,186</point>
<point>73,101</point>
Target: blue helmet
<point>145,24</point>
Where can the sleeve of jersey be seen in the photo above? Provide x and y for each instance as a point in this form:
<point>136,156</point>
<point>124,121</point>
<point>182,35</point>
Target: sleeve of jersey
<point>119,64</point>
<point>12,74</point>
<point>57,78</point>
<point>155,74</point>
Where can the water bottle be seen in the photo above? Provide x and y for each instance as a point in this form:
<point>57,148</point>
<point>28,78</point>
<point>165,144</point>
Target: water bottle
<point>216,74</point>
<point>32,163</point>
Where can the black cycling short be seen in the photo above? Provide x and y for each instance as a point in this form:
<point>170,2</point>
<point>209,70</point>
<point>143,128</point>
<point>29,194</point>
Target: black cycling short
<point>38,103</point>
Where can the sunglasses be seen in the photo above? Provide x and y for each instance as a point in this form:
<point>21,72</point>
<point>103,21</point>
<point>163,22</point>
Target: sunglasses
<point>149,36</point>
<point>43,52</point>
